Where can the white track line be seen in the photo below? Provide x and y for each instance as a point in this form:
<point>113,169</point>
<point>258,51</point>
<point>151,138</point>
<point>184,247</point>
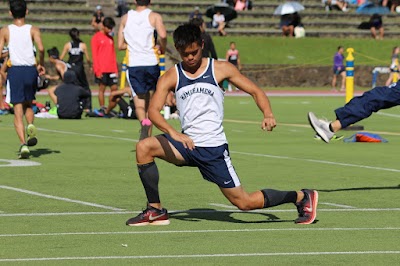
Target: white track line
<point>386,114</point>
<point>186,211</point>
<point>319,161</point>
<point>185,256</point>
<point>204,231</point>
<point>223,206</point>
<point>324,203</point>
<point>60,198</point>
<point>337,205</point>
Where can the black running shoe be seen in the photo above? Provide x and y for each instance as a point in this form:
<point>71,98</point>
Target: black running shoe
<point>307,208</point>
<point>150,215</point>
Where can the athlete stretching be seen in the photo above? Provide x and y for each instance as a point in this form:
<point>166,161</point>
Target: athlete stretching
<point>203,143</point>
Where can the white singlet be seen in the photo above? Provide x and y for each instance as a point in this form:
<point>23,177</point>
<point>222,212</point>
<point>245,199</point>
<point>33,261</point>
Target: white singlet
<point>139,35</point>
<point>200,102</point>
<point>20,45</point>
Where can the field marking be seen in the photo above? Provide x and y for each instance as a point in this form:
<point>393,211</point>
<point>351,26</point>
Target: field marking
<point>189,211</point>
<point>324,203</point>
<point>87,135</point>
<point>18,163</point>
<point>337,205</point>
<point>318,161</point>
<point>185,256</point>
<point>223,206</point>
<point>61,198</point>
<point>386,114</point>
<point>204,231</point>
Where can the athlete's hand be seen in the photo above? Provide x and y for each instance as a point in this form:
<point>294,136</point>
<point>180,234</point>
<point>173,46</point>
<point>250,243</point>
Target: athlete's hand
<point>41,70</point>
<point>184,139</point>
<point>268,123</point>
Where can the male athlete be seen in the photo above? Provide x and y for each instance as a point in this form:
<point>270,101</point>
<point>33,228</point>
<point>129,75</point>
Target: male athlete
<point>202,142</point>
<point>23,74</point>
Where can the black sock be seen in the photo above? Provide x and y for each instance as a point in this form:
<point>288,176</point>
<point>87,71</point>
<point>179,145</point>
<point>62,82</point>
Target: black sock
<point>276,197</point>
<point>149,175</point>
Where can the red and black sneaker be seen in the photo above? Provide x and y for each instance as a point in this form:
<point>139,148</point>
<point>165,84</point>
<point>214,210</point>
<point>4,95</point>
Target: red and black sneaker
<point>307,207</point>
<point>150,215</point>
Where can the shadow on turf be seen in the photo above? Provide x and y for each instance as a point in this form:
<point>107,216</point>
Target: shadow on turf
<point>196,215</point>
<point>357,188</point>
<point>39,152</point>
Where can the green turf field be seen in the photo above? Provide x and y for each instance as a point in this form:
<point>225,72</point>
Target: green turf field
<point>70,207</point>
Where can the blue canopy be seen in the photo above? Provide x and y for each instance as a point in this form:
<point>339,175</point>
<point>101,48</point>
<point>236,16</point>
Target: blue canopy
<point>371,8</point>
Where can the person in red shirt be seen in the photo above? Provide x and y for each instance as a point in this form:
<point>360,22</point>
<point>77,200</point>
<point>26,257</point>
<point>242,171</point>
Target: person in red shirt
<point>104,59</point>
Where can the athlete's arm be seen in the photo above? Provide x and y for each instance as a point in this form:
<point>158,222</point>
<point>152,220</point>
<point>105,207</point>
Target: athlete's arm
<point>157,22</point>
<point>166,84</point>
<point>3,37</point>
<point>39,45</point>
<point>67,46</point>
<point>121,39</point>
<point>226,70</point>
<point>86,53</point>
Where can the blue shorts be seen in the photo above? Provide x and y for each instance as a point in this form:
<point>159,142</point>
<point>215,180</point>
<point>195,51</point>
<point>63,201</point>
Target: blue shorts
<point>214,163</point>
<point>143,79</point>
<point>21,84</point>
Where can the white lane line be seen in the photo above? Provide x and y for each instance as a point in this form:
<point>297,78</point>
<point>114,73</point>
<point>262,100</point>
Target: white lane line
<point>337,205</point>
<point>17,163</point>
<point>183,256</point>
<point>223,206</point>
<point>204,231</point>
<point>61,198</point>
<point>386,114</point>
<point>188,211</point>
<point>323,203</point>
<point>319,161</point>
<point>87,135</point>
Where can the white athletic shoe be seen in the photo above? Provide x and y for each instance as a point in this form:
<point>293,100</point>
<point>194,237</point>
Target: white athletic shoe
<point>321,127</point>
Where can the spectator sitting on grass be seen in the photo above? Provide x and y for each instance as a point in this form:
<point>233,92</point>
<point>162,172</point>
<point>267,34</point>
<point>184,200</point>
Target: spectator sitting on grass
<point>69,97</point>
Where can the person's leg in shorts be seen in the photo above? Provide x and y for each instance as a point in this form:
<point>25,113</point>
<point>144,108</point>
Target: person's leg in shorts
<point>143,82</point>
<point>102,89</point>
<point>21,89</point>
<point>221,173</point>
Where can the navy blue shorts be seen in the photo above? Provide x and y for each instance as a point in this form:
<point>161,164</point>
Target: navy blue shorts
<point>214,163</point>
<point>143,79</point>
<point>21,83</point>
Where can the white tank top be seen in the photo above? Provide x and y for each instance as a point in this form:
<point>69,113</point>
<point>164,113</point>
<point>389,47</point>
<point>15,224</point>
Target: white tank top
<point>200,102</point>
<point>20,45</point>
<point>139,35</point>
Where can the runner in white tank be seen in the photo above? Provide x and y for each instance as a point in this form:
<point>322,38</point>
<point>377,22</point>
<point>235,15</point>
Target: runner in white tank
<point>137,34</point>
<point>21,46</point>
<point>22,76</point>
<point>202,142</point>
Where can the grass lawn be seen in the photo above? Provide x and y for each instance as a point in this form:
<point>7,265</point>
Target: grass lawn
<point>70,205</point>
<point>277,50</point>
